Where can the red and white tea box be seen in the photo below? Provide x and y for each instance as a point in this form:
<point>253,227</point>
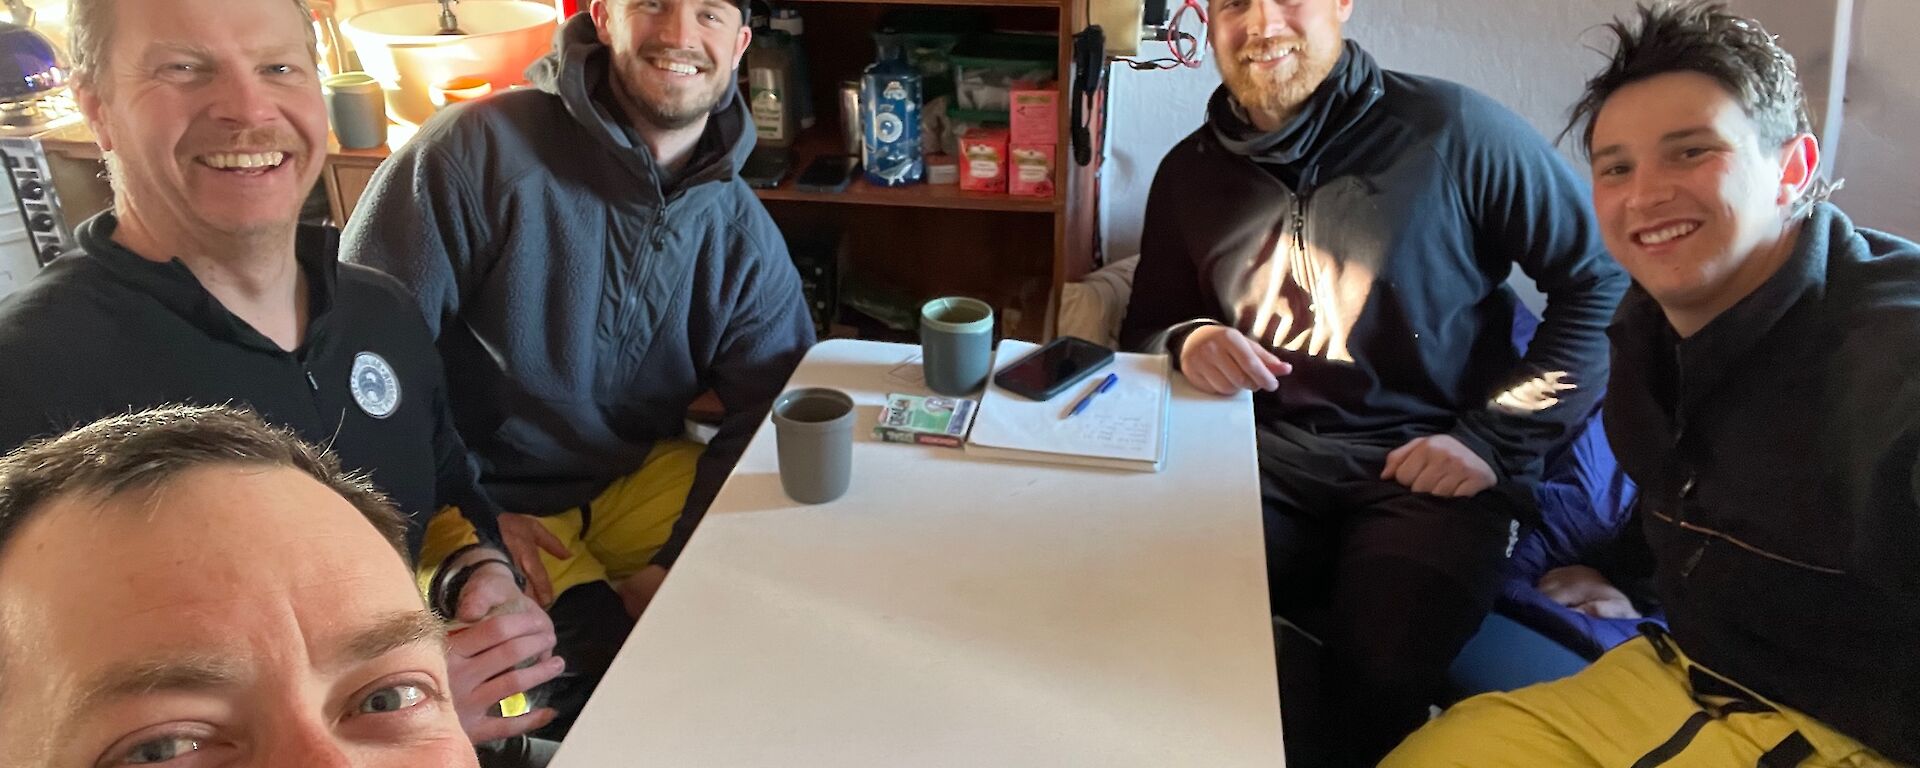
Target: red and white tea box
<point>983,160</point>
<point>1032,171</point>
<point>1034,114</point>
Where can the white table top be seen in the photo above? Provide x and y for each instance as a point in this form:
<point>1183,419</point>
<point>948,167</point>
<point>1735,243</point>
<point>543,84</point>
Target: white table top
<point>954,611</point>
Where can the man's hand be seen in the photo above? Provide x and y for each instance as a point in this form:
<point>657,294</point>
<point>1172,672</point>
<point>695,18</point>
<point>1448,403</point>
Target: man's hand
<point>525,537</point>
<point>1439,465</point>
<point>1224,361</point>
<point>637,591</point>
<point>1587,591</point>
<point>505,648</point>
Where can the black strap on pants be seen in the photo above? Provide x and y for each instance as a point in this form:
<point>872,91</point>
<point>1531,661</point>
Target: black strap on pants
<point>1718,698</point>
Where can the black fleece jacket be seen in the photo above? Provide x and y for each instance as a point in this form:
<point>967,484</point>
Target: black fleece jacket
<point>1369,243</point>
<point>103,331</point>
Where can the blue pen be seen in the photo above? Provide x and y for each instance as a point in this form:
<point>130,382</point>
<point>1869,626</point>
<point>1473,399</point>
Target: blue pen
<point>1105,384</point>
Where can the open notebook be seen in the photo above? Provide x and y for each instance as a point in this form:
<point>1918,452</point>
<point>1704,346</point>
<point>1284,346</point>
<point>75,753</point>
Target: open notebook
<point>1124,428</point>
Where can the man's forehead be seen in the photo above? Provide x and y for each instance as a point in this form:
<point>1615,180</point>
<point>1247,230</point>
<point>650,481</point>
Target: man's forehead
<point>213,546</point>
<point>1674,96</point>
<point>237,24</point>
<point>1664,111</point>
<point>136,628</point>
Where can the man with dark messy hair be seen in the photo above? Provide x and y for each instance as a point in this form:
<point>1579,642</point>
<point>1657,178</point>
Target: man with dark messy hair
<point>1735,51</point>
<point>1765,396</point>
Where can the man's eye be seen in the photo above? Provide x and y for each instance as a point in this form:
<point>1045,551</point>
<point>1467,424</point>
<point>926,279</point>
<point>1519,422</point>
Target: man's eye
<point>392,699</point>
<point>161,750</point>
<point>278,69</point>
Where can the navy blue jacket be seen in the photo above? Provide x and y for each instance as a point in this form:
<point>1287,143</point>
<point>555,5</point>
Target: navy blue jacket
<point>1369,243</point>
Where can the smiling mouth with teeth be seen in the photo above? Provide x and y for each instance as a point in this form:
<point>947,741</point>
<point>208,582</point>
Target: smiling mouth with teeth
<point>1272,53</point>
<point>251,163</point>
<point>1666,234</point>
<point>677,67</point>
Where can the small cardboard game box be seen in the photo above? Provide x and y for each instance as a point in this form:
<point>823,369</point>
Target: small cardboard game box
<point>927,420</point>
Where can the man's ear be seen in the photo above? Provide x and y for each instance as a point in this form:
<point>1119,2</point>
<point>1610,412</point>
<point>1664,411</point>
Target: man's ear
<point>1799,164</point>
<point>94,109</point>
<point>740,46</point>
<point>600,13</point>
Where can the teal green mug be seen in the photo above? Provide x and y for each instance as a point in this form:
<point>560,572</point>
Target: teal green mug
<point>956,344</point>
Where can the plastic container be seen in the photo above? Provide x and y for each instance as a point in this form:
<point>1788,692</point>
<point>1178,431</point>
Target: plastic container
<point>850,121</point>
<point>771,91</point>
<point>890,122</point>
<point>987,69</point>
<point>942,169</point>
<point>788,20</point>
<point>928,36</point>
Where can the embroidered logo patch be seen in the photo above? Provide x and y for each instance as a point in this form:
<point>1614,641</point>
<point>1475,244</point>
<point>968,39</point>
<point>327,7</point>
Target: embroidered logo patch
<point>374,385</point>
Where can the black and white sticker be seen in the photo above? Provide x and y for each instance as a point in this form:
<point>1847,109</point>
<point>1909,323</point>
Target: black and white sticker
<point>374,385</point>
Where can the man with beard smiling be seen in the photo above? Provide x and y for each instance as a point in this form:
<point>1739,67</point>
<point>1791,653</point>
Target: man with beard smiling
<point>591,264</point>
<point>200,286</point>
<point>1338,237</point>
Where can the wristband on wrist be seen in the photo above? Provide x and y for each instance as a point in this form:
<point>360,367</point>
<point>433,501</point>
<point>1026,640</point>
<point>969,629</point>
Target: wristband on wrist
<point>443,594</point>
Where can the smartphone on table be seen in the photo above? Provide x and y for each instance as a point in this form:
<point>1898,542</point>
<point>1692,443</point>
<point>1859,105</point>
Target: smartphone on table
<point>1053,368</point>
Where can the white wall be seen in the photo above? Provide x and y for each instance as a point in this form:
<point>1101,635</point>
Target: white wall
<point>1879,153</point>
<point>1525,53</point>
<point>1533,56</point>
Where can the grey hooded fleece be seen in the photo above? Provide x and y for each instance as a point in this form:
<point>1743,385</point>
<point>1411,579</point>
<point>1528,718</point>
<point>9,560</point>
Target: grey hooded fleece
<point>581,298</point>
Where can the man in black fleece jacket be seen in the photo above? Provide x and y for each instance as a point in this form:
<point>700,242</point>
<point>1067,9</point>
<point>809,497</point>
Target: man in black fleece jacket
<point>1766,399</point>
<point>1338,237</point>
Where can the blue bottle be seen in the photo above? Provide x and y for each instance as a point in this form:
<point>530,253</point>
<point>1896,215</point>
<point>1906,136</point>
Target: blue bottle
<point>890,121</point>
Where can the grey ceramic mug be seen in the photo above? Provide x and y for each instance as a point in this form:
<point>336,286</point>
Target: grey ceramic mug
<point>956,344</point>
<point>813,429</point>
<point>357,109</point>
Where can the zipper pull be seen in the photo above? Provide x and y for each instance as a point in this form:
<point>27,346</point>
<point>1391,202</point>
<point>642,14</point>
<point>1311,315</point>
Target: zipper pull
<point>1300,222</point>
<point>311,382</point>
<point>1693,560</point>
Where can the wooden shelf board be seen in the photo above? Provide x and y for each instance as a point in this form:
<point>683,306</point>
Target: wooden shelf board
<point>916,196</point>
<point>822,139</point>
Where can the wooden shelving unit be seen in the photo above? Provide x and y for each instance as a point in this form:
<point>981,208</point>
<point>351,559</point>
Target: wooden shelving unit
<point>926,240</point>
<point>922,241</point>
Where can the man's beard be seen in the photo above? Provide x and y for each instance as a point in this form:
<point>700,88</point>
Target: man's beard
<point>1283,92</point>
<point>679,109</point>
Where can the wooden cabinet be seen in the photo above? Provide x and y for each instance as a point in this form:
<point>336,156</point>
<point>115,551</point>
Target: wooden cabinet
<point>925,240</point>
<point>346,178</point>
